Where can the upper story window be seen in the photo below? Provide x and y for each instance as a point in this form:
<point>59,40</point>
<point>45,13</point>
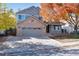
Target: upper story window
<point>40,18</point>
<point>20,16</point>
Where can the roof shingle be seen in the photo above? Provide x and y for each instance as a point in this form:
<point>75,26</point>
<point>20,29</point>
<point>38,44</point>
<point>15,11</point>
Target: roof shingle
<point>31,10</point>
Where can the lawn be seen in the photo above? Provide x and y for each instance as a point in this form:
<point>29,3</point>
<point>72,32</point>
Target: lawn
<point>74,36</point>
<point>66,36</point>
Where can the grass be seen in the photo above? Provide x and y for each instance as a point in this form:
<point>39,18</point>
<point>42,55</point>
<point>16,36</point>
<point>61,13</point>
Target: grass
<point>73,36</point>
<point>66,36</point>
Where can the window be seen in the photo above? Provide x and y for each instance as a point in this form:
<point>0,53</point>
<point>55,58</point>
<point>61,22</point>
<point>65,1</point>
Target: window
<point>56,27</point>
<point>40,18</point>
<point>20,16</point>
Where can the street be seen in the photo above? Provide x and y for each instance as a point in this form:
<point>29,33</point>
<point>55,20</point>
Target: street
<point>31,46</point>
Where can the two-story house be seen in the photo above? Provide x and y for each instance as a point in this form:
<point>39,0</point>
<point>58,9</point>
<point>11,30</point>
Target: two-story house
<point>29,22</point>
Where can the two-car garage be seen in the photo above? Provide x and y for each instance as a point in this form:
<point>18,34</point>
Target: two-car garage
<point>32,31</point>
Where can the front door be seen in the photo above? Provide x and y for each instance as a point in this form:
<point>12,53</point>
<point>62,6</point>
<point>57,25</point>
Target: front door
<point>47,28</point>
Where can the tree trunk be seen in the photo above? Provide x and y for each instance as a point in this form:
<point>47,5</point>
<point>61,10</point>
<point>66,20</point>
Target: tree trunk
<point>75,29</point>
<point>75,26</point>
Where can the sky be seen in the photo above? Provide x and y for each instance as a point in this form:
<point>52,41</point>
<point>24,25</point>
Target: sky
<point>20,6</point>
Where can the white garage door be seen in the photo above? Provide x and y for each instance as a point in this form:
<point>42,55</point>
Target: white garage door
<point>32,31</point>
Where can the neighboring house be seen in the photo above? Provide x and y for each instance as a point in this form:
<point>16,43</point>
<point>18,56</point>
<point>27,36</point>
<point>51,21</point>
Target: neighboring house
<point>32,26</point>
<point>25,13</point>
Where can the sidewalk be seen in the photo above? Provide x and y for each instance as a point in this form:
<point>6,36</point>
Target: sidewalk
<point>69,43</point>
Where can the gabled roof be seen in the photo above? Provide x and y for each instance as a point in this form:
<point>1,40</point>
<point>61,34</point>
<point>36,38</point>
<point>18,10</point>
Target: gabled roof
<point>31,10</point>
